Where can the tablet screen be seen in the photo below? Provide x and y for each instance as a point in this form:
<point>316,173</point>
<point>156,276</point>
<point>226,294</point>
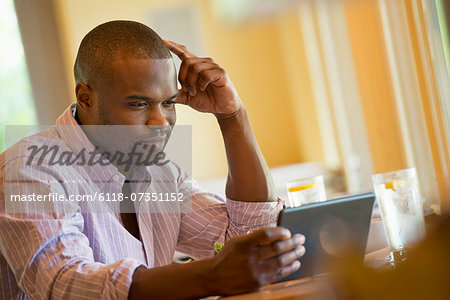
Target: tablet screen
<point>332,229</point>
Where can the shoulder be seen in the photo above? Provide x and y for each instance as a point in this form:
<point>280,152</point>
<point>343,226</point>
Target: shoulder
<point>31,151</point>
<point>26,146</point>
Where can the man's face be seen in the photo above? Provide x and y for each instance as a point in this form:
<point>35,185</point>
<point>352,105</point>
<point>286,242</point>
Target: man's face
<point>138,92</point>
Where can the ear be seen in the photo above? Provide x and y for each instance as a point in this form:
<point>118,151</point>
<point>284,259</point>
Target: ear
<point>85,95</point>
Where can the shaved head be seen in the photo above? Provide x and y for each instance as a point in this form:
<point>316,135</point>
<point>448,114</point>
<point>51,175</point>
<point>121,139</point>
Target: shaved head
<point>111,41</point>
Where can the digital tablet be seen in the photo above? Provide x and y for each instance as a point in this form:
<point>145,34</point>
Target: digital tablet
<point>331,229</point>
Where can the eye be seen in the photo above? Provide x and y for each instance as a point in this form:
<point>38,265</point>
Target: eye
<point>169,102</point>
<point>138,105</point>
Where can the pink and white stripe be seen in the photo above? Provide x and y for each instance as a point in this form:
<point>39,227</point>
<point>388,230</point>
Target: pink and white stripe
<point>85,252</point>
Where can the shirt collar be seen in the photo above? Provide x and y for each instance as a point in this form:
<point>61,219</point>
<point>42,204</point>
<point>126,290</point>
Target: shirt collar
<point>77,141</point>
<point>75,138</point>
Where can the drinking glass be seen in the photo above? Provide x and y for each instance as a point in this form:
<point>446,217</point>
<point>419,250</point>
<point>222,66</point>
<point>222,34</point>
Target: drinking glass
<point>305,191</point>
<point>399,199</point>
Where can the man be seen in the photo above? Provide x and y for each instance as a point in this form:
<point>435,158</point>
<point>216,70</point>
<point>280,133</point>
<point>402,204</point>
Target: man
<point>125,76</point>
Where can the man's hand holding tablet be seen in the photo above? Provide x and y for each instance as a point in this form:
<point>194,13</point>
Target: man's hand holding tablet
<point>248,262</point>
<point>245,264</point>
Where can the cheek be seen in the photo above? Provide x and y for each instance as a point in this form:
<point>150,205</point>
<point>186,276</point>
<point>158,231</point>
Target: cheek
<point>121,118</point>
<point>171,116</point>
<point>114,112</point>
<point>103,113</point>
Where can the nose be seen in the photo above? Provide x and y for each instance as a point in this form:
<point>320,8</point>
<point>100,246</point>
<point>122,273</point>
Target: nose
<point>157,117</point>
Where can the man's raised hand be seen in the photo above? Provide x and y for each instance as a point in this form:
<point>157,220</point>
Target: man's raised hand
<point>206,87</point>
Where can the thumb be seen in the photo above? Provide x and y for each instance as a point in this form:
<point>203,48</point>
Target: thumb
<point>182,97</point>
<point>268,235</point>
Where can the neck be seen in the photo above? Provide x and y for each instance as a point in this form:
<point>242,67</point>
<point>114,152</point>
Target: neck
<point>124,169</point>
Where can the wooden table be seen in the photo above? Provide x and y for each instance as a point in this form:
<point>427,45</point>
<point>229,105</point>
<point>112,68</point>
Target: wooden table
<point>314,288</point>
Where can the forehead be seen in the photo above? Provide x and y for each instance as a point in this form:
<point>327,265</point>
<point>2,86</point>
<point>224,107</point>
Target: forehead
<point>142,75</point>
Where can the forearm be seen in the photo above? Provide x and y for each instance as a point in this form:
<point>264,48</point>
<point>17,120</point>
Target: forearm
<point>175,281</point>
<point>249,178</point>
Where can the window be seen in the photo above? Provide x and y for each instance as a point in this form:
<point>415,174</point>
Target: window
<point>16,102</point>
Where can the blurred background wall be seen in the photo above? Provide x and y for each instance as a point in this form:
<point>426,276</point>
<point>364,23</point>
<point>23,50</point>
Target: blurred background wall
<point>358,86</point>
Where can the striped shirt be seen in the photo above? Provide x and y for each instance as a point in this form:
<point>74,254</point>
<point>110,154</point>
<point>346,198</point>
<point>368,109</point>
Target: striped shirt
<point>83,250</point>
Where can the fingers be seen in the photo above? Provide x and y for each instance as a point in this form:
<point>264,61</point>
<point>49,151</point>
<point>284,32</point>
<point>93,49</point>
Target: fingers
<point>282,265</point>
<point>285,271</point>
<point>282,246</point>
<point>182,97</point>
<point>196,73</point>
<point>278,252</point>
<point>216,77</point>
<point>266,236</point>
<point>193,65</point>
<point>263,256</point>
<point>193,69</point>
<point>285,259</point>
<point>179,50</point>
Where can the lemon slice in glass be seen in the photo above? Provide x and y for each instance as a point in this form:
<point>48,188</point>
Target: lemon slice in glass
<point>397,184</point>
<point>301,187</point>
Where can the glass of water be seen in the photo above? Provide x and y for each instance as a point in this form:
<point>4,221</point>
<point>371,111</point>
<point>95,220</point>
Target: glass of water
<point>399,199</point>
<point>305,191</point>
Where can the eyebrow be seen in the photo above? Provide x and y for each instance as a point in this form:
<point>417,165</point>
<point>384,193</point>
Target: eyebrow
<point>148,99</point>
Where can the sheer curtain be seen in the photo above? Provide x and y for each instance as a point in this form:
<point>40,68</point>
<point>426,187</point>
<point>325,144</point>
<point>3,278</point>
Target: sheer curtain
<point>417,61</point>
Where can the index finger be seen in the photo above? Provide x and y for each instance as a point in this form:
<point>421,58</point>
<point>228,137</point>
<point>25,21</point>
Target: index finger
<point>179,50</point>
<point>266,236</point>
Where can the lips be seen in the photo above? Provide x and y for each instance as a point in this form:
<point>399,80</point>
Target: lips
<point>156,136</point>
<point>157,141</point>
